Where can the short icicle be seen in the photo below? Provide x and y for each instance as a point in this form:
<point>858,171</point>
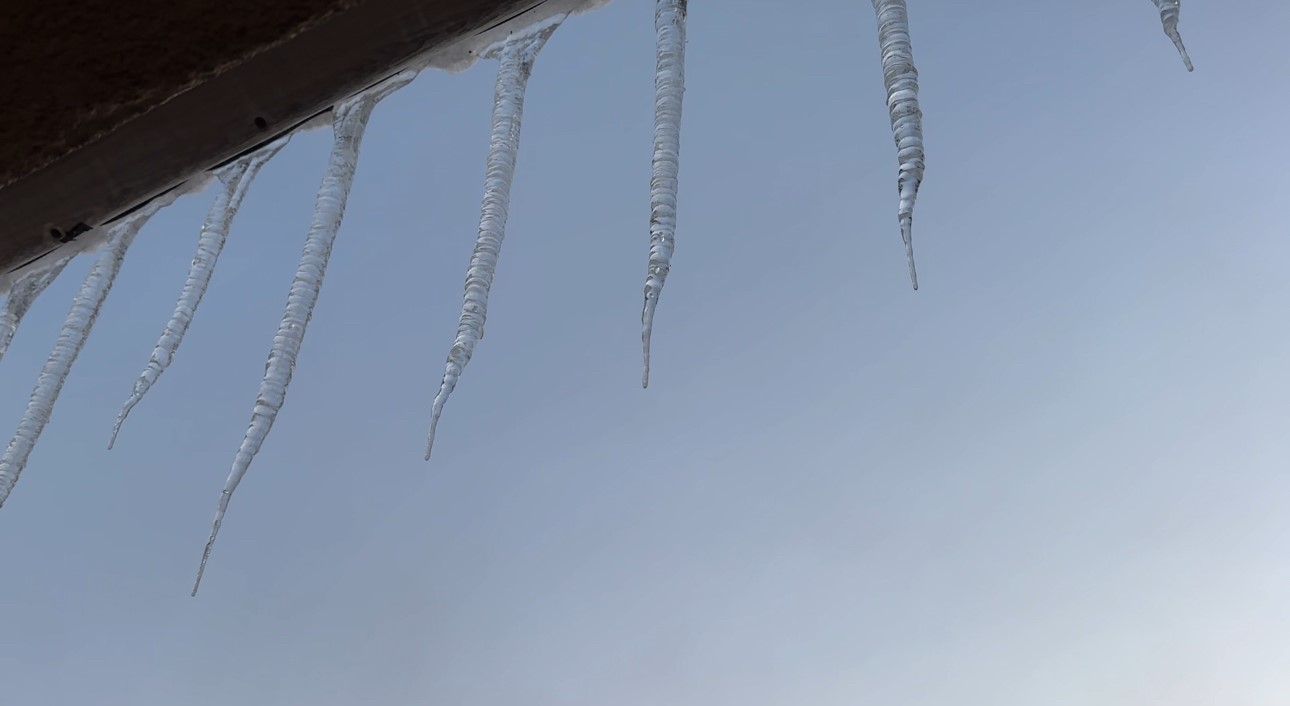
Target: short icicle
<point>669,90</point>
<point>348,123</point>
<point>901,80</point>
<point>1169,10</point>
<point>516,56</point>
<point>21,296</point>
<point>237,179</point>
<point>71,339</point>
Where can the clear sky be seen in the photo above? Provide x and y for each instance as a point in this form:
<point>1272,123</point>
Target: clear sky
<point>1057,474</point>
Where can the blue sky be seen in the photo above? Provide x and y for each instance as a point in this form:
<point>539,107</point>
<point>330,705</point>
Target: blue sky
<point>1055,474</point>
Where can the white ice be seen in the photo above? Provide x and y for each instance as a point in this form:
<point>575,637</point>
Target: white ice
<point>516,56</point>
<point>21,296</point>
<point>349,121</point>
<point>1169,10</point>
<point>901,80</point>
<point>669,89</point>
<point>237,179</point>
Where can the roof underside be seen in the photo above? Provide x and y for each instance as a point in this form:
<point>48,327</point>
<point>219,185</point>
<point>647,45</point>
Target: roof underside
<point>108,104</point>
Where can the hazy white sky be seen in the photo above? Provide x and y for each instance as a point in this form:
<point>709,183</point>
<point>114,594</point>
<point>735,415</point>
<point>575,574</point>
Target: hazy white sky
<point>1055,475</point>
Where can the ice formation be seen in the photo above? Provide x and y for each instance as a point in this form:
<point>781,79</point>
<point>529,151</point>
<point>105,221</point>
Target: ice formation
<point>516,52</point>
<point>71,339</point>
<point>21,296</point>
<point>237,179</point>
<point>515,56</point>
<point>349,122</point>
<point>669,89</point>
<point>901,80</point>
<point>1169,10</point>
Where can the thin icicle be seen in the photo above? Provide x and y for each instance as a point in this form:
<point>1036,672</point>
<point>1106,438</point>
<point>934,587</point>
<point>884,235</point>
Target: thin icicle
<point>21,296</point>
<point>901,80</point>
<point>1169,10</point>
<point>71,339</point>
<point>516,56</point>
<point>348,124</point>
<point>237,179</point>
<point>669,89</point>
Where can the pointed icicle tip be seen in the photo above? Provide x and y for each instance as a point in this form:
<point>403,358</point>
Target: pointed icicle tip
<point>237,179</point>
<point>669,92</point>
<point>906,234</point>
<point>516,55</point>
<point>900,78</point>
<point>1169,11</point>
<point>349,122</point>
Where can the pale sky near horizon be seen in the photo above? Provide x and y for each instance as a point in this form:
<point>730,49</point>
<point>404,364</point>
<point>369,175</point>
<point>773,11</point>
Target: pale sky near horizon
<point>1054,475</point>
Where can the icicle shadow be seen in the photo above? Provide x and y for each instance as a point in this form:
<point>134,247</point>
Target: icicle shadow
<point>901,81</point>
<point>1169,11</point>
<point>516,56</point>
<point>237,179</point>
<point>669,90</point>
<point>349,121</point>
<point>21,296</point>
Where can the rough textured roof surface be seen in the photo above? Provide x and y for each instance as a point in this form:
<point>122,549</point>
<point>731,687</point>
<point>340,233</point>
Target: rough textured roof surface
<point>108,103</point>
<point>76,70</point>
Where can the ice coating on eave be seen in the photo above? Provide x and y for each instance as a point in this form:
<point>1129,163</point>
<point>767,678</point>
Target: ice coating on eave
<point>669,90</point>
<point>21,296</point>
<point>464,52</point>
<point>901,80</point>
<point>96,238</point>
<point>516,56</point>
<point>71,339</point>
<point>350,120</point>
<point>237,179</point>
<point>1169,10</point>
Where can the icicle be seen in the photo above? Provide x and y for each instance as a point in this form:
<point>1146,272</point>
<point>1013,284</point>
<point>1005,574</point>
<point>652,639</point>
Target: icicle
<point>237,179</point>
<point>76,329</point>
<point>348,123</point>
<point>21,296</point>
<point>669,89</point>
<point>901,79</point>
<point>516,56</point>
<point>1169,10</point>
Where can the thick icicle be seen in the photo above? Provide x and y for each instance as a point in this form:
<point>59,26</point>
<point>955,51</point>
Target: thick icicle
<point>21,296</point>
<point>1169,10</point>
<point>516,55</point>
<point>901,80</point>
<point>76,329</point>
<point>669,89</point>
<point>348,124</point>
<point>237,179</point>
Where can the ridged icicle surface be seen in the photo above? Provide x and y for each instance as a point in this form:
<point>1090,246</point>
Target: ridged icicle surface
<point>237,179</point>
<point>669,90</point>
<point>71,339</point>
<point>516,56</point>
<point>901,80</point>
<point>21,296</point>
<point>1169,10</point>
<point>348,123</point>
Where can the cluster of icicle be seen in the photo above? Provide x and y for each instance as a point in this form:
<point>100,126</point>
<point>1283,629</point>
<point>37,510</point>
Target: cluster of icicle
<point>516,55</point>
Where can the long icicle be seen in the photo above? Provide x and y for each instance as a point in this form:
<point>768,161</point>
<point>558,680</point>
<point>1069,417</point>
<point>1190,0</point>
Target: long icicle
<point>901,80</point>
<point>669,90</point>
<point>21,296</point>
<point>237,179</point>
<point>71,339</point>
<point>516,56</point>
<point>1169,10</point>
<point>348,124</point>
